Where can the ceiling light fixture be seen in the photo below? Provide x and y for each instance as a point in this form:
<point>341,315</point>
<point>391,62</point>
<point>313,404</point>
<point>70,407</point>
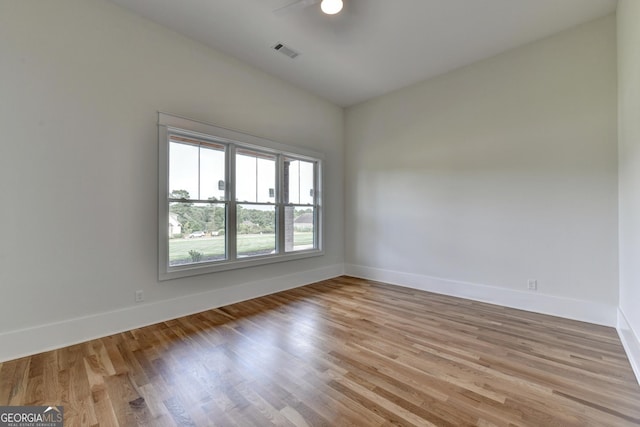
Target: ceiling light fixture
<point>331,7</point>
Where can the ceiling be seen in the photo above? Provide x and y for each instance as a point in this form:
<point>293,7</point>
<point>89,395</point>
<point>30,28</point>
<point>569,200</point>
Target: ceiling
<point>373,46</point>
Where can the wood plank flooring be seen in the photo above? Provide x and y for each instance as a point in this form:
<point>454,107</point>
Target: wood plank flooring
<point>337,353</point>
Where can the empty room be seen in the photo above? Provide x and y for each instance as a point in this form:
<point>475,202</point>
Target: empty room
<point>320,213</point>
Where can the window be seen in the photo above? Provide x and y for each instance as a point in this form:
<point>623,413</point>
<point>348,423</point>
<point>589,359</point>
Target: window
<point>299,212</point>
<point>230,200</point>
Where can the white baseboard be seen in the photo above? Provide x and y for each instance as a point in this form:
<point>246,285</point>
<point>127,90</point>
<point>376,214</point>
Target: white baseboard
<point>630,342</point>
<point>585,311</point>
<point>24,342</point>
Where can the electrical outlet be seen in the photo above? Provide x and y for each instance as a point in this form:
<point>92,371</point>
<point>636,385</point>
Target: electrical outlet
<point>139,296</point>
<point>532,284</point>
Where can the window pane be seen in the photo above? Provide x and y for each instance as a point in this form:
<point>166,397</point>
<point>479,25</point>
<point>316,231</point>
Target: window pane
<point>306,183</point>
<point>196,233</point>
<point>299,182</point>
<point>183,170</point>
<point>255,177</point>
<point>299,228</point>
<point>266,181</point>
<point>211,173</point>
<point>256,230</point>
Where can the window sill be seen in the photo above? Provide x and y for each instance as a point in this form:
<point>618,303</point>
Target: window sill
<point>206,268</point>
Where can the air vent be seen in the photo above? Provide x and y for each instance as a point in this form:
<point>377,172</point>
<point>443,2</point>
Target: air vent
<point>285,50</point>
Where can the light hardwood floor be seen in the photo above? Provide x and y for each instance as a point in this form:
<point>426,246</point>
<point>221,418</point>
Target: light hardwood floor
<point>339,352</point>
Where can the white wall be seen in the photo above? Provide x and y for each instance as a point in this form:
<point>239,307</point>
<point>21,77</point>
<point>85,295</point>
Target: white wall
<point>628,16</point>
<point>473,182</point>
<point>81,82</point>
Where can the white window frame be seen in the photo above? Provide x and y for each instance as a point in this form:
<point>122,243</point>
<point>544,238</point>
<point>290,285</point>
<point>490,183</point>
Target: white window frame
<point>168,125</point>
